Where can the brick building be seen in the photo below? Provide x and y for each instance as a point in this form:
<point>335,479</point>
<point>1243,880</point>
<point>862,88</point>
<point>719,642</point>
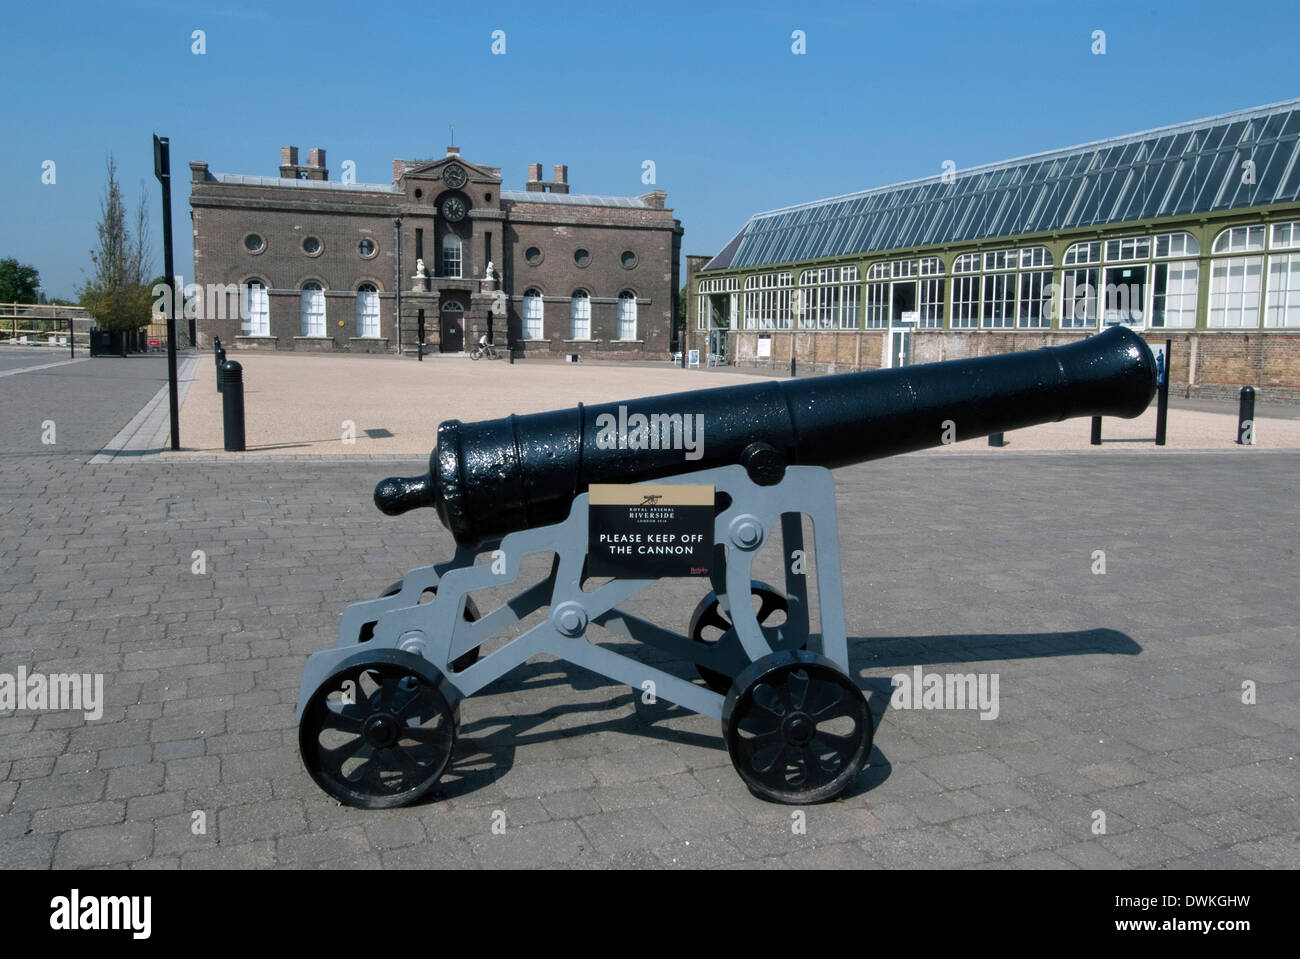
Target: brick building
<point>1189,233</point>
<point>301,262</point>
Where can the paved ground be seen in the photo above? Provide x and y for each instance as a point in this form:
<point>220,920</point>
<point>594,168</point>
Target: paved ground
<point>299,404</point>
<point>1119,694</point>
<point>88,400</point>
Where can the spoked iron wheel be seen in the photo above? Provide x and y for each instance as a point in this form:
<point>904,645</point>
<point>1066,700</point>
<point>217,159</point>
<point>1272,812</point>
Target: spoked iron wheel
<point>709,615</point>
<point>379,731</point>
<point>465,660</point>
<point>798,729</point>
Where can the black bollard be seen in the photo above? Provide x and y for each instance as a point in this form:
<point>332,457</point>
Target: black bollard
<point>792,373</point>
<point>996,439</point>
<point>1246,417</point>
<point>1162,394</point>
<point>221,361</point>
<point>1096,431</point>
<point>232,405</point>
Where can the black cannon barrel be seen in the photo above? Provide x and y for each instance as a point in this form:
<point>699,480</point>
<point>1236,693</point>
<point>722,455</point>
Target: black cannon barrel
<point>493,477</point>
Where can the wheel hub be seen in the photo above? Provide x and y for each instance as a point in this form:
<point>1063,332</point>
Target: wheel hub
<point>799,728</point>
<point>381,730</point>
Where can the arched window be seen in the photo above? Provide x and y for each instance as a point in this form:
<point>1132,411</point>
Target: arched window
<point>451,256</point>
<point>580,316</point>
<point>1087,252</point>
<point>367,310</point>
<point>1240,239</point>
<point>627,315</point>
<point>313,309</point>
<point>257,310</point>
<point>533,314</point>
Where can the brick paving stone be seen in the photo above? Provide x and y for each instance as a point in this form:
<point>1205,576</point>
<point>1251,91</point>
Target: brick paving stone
<point>537,845</point>
<point>102,845</point>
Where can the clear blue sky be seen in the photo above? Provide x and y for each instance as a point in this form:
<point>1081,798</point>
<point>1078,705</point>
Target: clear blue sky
<point>711,92</point>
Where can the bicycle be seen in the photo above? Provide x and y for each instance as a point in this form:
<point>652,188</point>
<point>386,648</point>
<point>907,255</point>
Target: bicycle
<point>489,351</point>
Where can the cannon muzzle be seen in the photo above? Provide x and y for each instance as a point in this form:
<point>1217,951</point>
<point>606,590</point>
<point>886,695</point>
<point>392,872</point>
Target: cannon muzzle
<point>494,477</point>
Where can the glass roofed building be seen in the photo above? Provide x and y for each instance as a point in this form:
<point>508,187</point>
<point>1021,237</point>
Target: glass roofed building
<point>1189,232</point>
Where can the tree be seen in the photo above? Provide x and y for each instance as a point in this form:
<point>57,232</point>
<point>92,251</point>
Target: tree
<point>18,282</point>
<point>116,296</point>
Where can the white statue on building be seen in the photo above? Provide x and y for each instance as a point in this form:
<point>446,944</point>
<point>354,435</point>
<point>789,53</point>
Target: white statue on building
<point>419,268</point>
<point>490,275</point>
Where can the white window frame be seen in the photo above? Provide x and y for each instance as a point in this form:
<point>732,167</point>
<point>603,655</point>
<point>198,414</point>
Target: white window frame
<point>1128,248</point>
<point>966,300</point>
<point>1033,290</point>
<point>368,311</point>
<point>1285,236</point>
<point>1179,299</point>
<point>627,315</point>
<point>257,309</point>
<point>768,301</point>
<point>1248,238</point>
<point>999,293</point>
<point>1083,252</point>
<point>451,261</point>
<point>534,314</point>
<point>1035,256</point>
<point>1283,307</point>
<point>1175,245</point>
<point>876,315</point>
<point>929,302</point>
<point>998,260</point>
<point>580,315</point>
<point>1236,285</point>
<point>1071,317</point>
<point>312,308</point>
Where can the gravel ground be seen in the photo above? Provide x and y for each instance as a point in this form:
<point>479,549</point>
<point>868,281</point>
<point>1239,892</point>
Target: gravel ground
<point>299,405</point>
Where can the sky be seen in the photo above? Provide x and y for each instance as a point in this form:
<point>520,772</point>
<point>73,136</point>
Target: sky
<point>734,120</point>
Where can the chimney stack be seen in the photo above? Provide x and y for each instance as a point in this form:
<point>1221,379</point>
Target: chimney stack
<point>453,151</point>
<point>316,165</point>
<point>534,184</point>
<point>289,162</point>
<point>560,184</point>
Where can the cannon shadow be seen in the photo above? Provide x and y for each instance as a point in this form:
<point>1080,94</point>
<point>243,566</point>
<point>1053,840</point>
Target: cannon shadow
<point>485,749</point>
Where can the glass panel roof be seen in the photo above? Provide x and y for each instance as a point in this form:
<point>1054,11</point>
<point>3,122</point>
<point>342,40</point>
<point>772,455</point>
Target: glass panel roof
<point>1174,171</point>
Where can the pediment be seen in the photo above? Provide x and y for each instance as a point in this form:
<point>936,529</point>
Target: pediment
<point>432,170</point>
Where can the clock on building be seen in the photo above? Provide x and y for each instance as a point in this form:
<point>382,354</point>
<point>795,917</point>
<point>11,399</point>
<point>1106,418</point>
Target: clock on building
<point>454,176</point>
<point>453,209</point>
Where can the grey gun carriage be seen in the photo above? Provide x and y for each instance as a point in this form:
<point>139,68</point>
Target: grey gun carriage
<point>379,713</point>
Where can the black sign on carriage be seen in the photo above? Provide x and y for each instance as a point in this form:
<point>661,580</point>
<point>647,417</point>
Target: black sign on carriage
<point>649,530</point>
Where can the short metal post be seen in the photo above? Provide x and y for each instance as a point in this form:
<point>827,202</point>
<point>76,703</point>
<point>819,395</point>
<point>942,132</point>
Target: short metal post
<point>1246,417</point>
<point>221,361</point>
<point>232,405</point>
<point>419,336</point>
<point>996,439</point>
<point>1096,431</point>
<point>1162,395</point>
<point>792,363</point>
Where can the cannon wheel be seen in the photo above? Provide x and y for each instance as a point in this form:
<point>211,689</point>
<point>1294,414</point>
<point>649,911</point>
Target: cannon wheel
<point>379,731</point>
<point>465,660</point>
<point>797,728</point>
<point>709,615</point>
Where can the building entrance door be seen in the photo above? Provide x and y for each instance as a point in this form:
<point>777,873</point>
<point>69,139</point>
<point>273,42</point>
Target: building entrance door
<point>452,328</point>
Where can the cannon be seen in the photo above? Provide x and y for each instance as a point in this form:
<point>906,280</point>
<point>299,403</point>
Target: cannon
<point>379,713</point>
